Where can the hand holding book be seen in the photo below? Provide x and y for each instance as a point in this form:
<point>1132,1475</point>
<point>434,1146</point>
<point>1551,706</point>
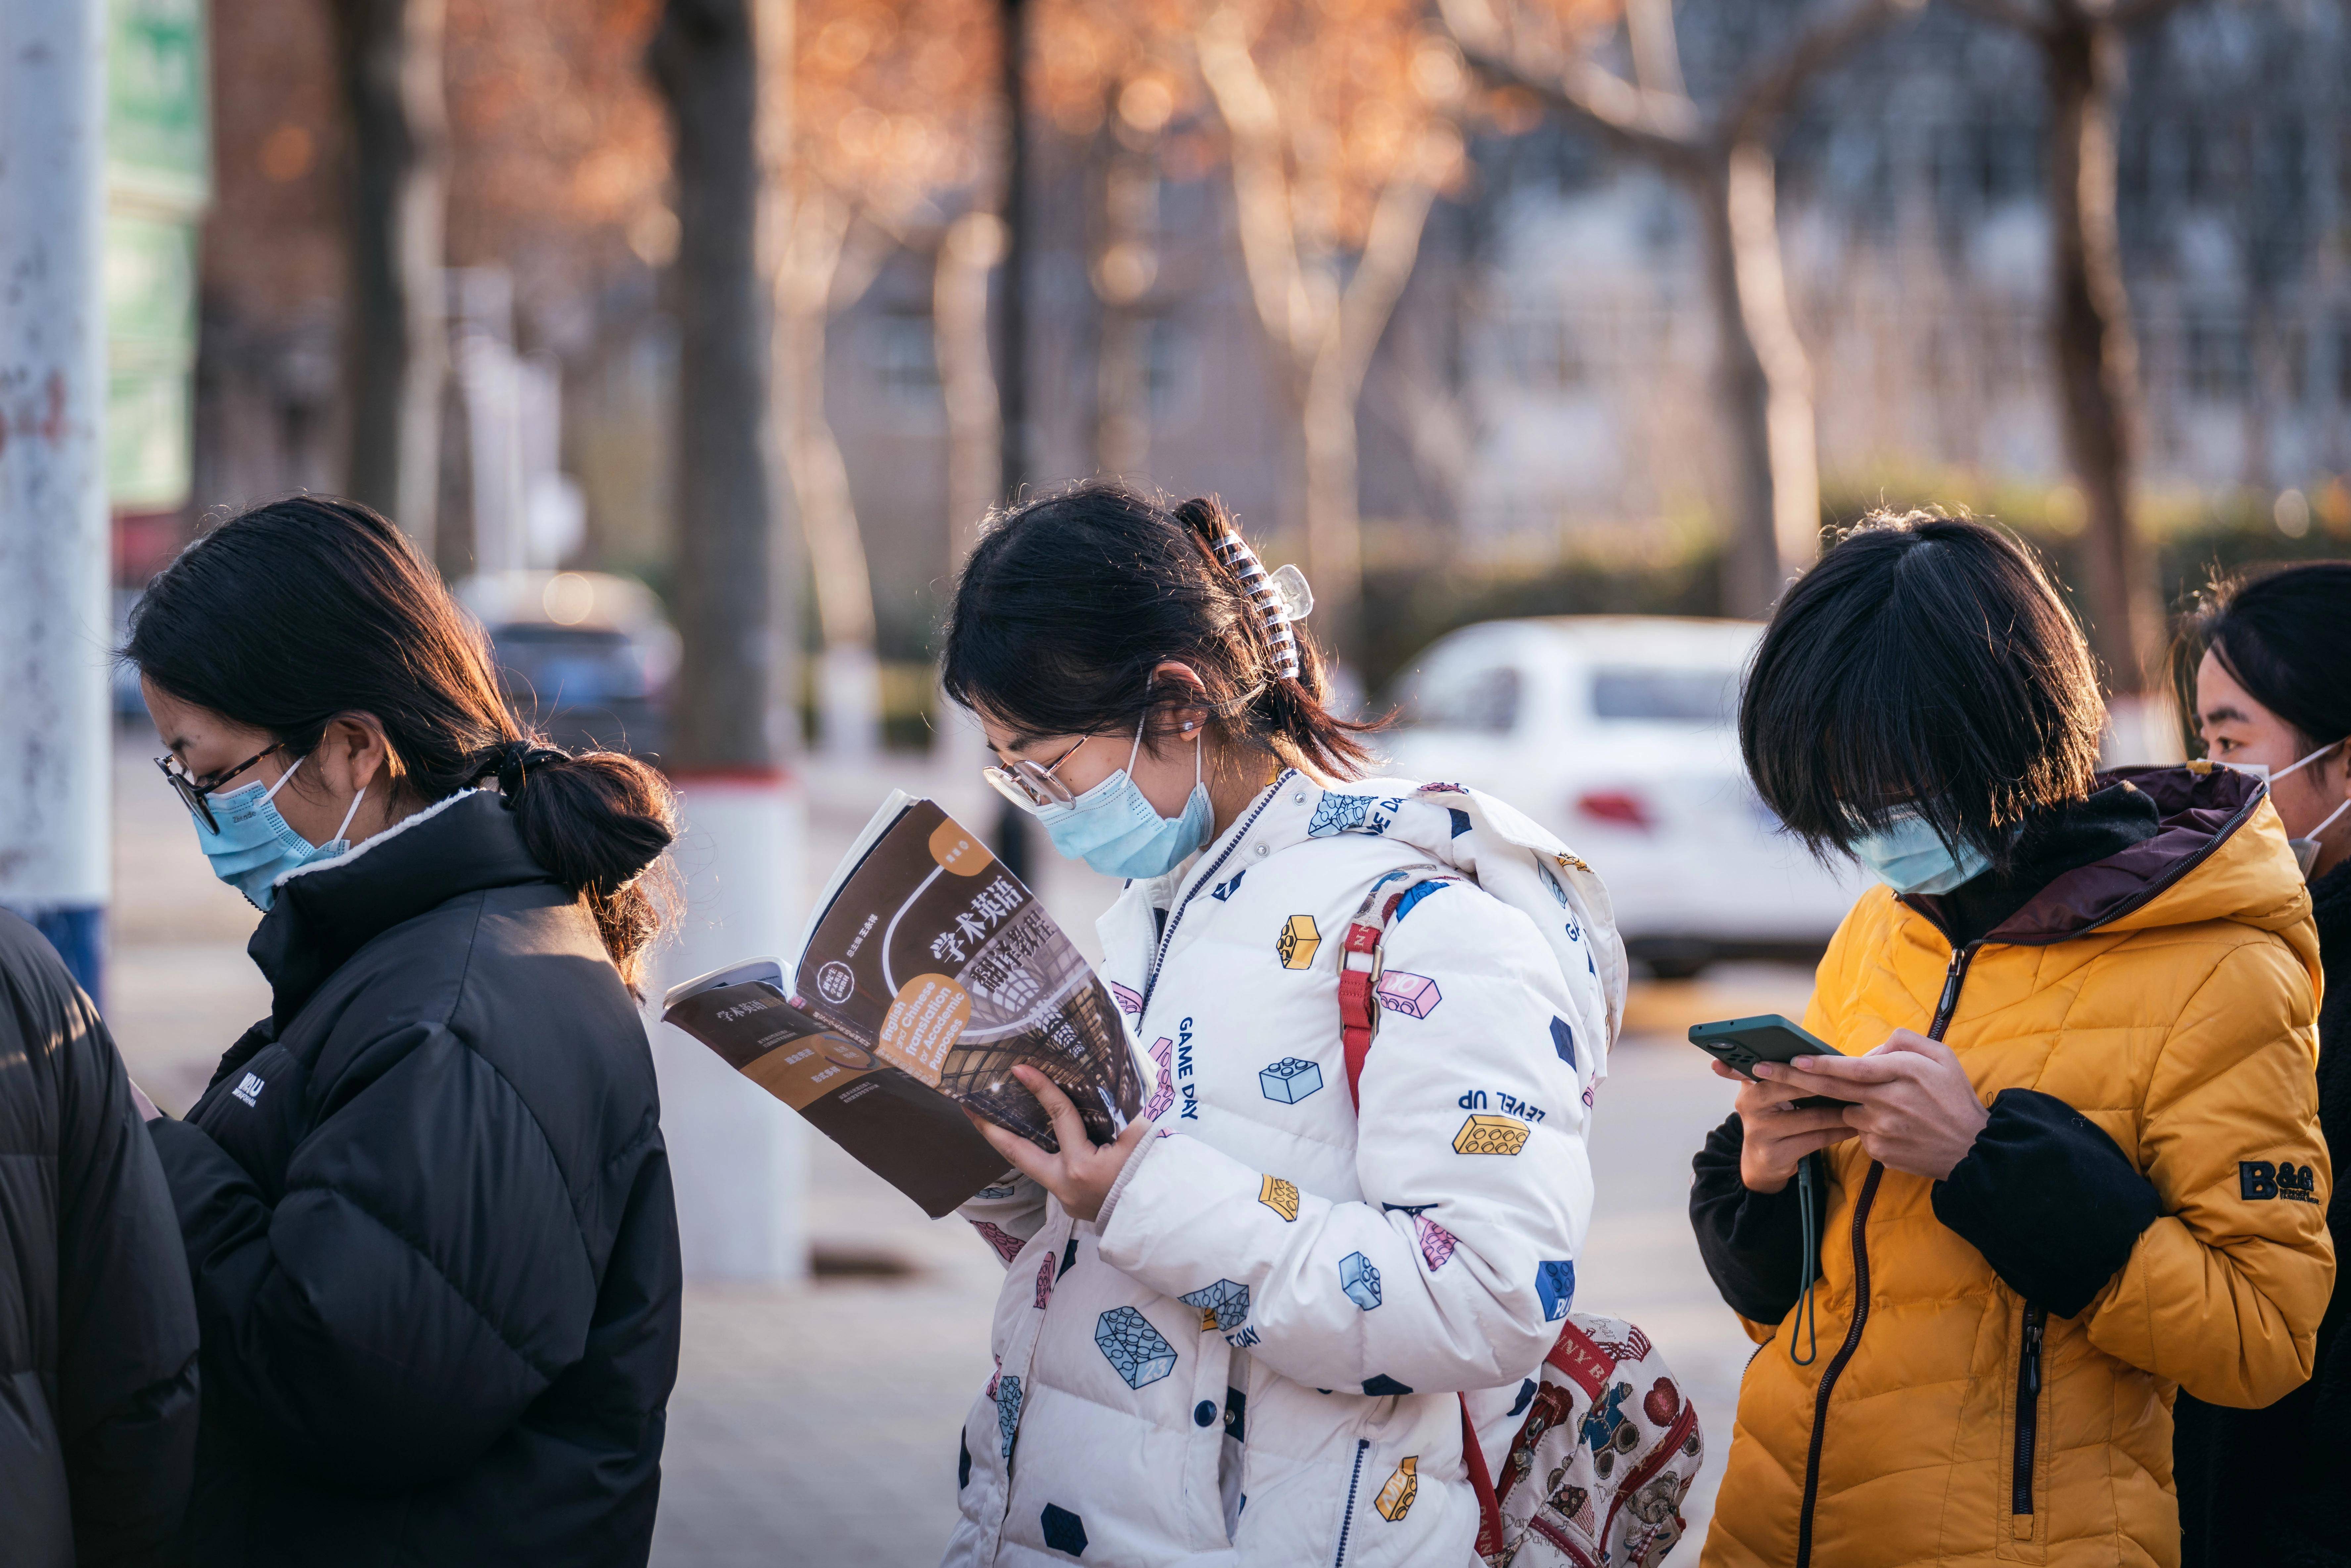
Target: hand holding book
<point>932,980</point>
<point>1082,1172</point>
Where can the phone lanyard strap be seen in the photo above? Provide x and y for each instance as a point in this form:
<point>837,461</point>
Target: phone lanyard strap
<point>1808,1226</point>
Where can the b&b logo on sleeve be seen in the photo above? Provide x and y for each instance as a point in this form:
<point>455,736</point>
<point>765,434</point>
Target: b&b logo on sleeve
<point>2259,1179</point>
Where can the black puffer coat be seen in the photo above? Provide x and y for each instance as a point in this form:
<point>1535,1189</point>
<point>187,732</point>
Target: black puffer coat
<point>427,1209</point>
<point>98,1336</point>
<point>2270,1486</point>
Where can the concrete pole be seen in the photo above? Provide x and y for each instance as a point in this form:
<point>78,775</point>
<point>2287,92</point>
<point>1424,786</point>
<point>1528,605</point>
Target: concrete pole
<point>54,628</point>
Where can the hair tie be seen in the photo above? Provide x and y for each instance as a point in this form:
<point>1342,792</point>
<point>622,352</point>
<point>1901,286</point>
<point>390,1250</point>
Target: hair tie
<point>511,761</point>
<point>1279,598</point>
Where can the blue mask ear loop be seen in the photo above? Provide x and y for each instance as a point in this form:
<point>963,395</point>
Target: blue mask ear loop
<point>1199,760</point>
<point>1808,1312</point>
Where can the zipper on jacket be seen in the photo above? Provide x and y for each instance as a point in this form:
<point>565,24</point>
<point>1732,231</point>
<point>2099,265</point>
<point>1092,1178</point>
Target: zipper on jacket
<point>1201,879</point>
<point>1945,1005</point>
<point>1362,1447</point>
<point>2028,1416</point>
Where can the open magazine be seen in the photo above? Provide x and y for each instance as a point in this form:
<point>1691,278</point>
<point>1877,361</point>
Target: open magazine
<point>929,972</point>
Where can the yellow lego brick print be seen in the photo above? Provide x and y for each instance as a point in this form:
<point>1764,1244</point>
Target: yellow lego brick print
<point>1395,1499</point>
<point>1280,1195</point>
<point>1297,942</point>
<point>1490,1135</point>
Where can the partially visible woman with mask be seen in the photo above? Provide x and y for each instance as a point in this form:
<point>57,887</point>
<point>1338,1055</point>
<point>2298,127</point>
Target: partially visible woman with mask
<point>425,1202</point>
<point>2272,694</point>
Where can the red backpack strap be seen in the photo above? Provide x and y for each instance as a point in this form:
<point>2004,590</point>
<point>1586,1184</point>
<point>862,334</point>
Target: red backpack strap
<point>1490,1507</point>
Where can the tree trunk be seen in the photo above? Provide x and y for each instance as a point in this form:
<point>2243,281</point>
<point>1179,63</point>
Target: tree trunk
<point>968,251</point>
<point>703,62</point>
<point>1125,264</point>
<point>1751,567</point>
<point>395,351</point>
<point>1764,383</point>
<point>2095,360</point>
<point>848,696</point>
<point>1012,351</point>
<point>1334,392</point>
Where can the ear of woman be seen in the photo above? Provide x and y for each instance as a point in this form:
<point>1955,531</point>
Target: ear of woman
<point>351,767</point>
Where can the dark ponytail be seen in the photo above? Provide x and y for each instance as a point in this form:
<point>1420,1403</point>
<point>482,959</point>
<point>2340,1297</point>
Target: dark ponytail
<point>2285,637</point>
<point>1070,601</point>
<point>295,613</point>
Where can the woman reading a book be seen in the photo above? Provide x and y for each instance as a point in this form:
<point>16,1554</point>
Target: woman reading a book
<point>1264,1325</point>
<point>425,1202</point>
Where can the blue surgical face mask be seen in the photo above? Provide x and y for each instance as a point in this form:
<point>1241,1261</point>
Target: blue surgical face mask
<point>256,846</point>
<point>1116,830</point>
<point>1908,856</point>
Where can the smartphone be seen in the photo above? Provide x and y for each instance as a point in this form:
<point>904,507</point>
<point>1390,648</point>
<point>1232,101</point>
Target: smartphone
<point>1740,1043</point>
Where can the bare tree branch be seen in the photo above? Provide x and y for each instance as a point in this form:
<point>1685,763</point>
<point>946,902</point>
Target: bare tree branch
<point>1771,87</point>
<point>1261,188</point>
<point>1655,125</point>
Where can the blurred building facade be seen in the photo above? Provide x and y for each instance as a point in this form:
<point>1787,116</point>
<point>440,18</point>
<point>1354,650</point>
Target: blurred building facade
<point>1549,373</point>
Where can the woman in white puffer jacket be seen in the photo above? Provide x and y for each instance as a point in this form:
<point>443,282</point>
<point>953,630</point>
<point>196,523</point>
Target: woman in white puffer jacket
<point>1254,1329</point>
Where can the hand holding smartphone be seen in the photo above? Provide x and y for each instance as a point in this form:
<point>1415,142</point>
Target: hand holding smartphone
<point>1740,1043</point>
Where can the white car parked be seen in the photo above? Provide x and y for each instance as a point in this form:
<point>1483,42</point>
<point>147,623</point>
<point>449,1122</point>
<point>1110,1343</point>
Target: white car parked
<point>1620,733</point>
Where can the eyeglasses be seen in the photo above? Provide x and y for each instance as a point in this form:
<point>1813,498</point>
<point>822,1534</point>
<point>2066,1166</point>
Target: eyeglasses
<point>192,791</point>
<point>1030,787</point>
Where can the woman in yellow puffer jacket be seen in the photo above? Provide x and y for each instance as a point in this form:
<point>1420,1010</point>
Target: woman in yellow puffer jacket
<point>2081,1167</point>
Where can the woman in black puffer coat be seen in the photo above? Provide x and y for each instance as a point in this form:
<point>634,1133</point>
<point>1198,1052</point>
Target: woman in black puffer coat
<point>2272,689</point>
<point>425,1202</point>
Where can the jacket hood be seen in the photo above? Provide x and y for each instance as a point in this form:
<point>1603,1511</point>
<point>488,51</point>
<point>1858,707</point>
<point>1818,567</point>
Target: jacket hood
<point>328,910</point>
<point>2217,853</point>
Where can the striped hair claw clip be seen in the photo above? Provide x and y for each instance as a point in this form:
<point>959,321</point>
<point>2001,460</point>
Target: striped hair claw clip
<point>1279,597</point>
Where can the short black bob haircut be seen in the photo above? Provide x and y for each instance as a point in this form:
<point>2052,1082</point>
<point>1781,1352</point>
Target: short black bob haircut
<point>2285,637</point>
<point>1070,600</point>
<point>1925,664</point>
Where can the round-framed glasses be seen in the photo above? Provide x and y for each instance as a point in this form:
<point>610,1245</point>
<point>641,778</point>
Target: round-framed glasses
<point>1032,786</point>
<point>192,791</point>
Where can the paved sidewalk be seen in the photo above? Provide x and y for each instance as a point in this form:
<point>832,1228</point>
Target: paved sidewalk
<point>817,1424</point>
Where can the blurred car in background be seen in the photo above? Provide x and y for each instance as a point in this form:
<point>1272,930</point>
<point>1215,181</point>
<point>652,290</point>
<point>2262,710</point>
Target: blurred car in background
<point>585,656</point>
<point>1619,734</point>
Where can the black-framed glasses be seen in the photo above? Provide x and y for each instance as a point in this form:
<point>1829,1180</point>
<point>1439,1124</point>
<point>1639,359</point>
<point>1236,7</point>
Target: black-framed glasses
<point>1032,786</point>
<point>193,791</point>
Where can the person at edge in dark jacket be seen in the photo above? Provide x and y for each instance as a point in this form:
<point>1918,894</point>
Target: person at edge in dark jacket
<point>2272,692</point>
<point>97,1336</point>
<point>425,1202</point>
<point>2079,1161</point>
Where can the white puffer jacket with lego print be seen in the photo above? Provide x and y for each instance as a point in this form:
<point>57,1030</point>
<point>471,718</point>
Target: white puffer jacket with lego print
<point>1253,1356</point>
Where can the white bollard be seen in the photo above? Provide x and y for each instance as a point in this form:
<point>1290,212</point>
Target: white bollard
<point>55,629</point>
<point>738,1156</point>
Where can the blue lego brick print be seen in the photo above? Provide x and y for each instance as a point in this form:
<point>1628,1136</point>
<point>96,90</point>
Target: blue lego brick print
<point>1223,1306</point>
<point>1555,1284</point>
<point>1460,820</point>
<point>1526,1396</point>
<point>1562,1039</point>
<point>1289,1080</point>
<point>1069,1257</point>
<point>1130,1343</point>
<point>1382,1385</point>
<point>1558,894</point>
<point>1414,895</point>
<point>963,1461</point>
<point>1064,1530</point>
<point>1336,813</point>
<point>1360,1279</point>
<point>1008,1411</point>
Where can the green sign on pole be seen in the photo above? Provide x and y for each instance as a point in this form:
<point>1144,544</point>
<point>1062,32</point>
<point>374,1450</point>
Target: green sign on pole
<point>159,178</point>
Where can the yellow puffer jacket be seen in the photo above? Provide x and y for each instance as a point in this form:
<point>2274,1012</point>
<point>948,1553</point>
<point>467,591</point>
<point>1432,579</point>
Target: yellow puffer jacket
<point>2167,993</point>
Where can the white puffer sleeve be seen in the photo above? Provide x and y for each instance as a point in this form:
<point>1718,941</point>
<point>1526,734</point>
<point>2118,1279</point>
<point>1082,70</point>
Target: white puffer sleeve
<point>1454,1269</point>
<point>1007,1214</point>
